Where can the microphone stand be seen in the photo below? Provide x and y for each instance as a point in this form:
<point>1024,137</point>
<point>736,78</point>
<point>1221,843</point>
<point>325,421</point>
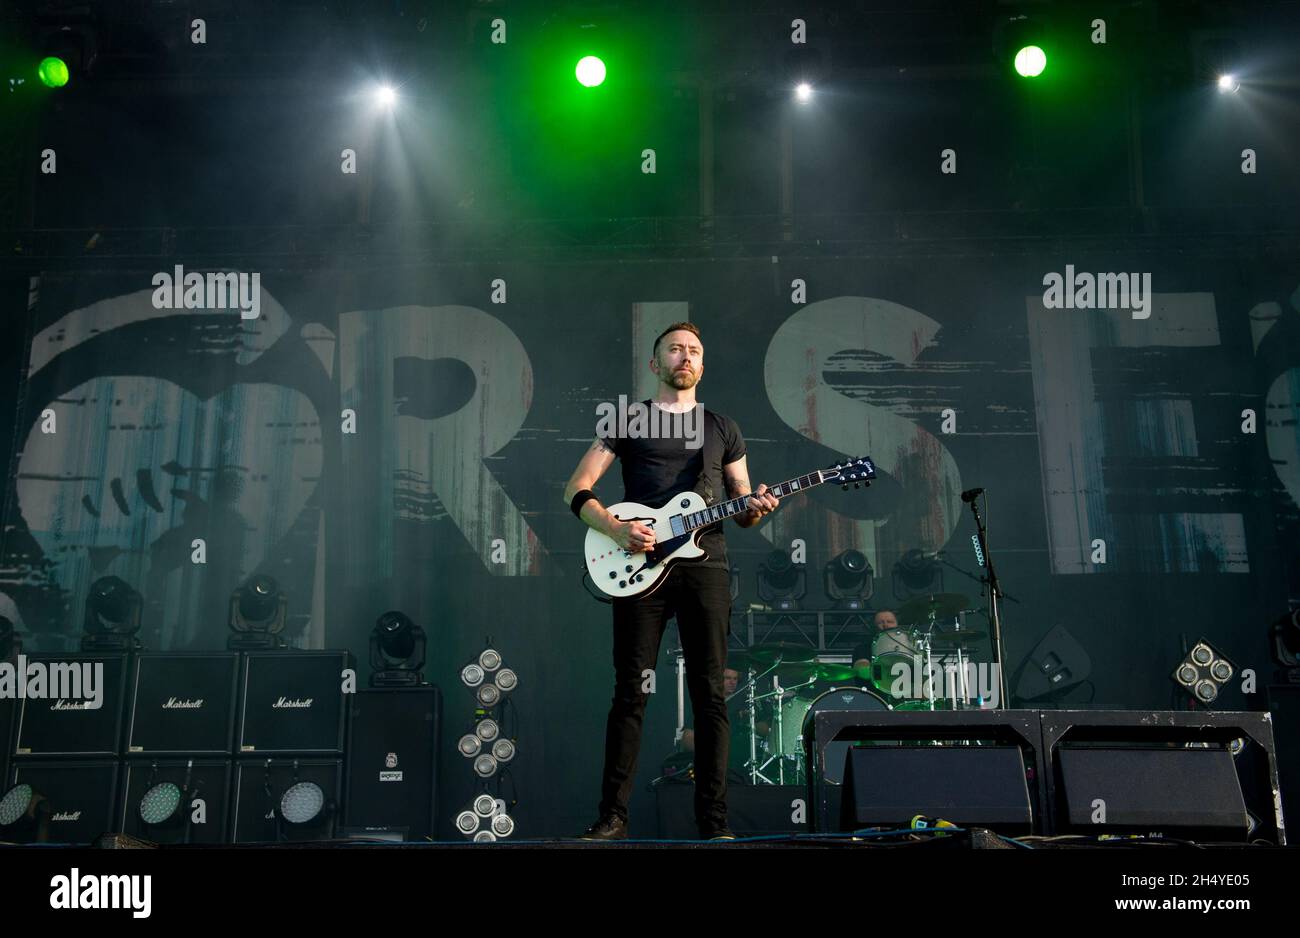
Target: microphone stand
<point>943,559</point>
<point>990,579</point>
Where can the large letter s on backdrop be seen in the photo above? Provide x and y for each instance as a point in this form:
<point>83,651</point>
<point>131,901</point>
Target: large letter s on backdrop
<point>797,360</point>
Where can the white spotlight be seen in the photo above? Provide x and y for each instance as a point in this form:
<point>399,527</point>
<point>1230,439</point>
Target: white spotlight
<point>467,822</point>
<point>803,91</point>
<point>1228,84</point>
<point>385,96</point>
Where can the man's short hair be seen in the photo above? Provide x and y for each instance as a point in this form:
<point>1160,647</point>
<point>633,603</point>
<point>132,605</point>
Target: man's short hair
<point>688,326</point>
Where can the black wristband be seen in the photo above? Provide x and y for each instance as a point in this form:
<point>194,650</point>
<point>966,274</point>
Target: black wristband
<point>579,500</point>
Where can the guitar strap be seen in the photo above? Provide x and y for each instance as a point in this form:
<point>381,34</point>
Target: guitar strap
<point>712,457</point>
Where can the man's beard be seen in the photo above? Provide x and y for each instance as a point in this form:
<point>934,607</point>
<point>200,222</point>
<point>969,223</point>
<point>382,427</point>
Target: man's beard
<point>683,380</point>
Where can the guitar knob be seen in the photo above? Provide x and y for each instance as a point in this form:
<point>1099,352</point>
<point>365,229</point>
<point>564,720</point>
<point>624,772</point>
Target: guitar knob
<point>685,503</point>
<point>612,575</point>
<point>627,569</point>
<point>857,485</point>
<point>622,583</point>
<point>844,487</point>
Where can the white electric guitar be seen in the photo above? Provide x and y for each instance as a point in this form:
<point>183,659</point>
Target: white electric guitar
<point>678,525</point>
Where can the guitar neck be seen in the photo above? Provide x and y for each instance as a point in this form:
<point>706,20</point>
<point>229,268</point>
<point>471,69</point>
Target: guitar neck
<point>727,509</point>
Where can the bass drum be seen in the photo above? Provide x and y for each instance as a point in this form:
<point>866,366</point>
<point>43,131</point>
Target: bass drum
<point>840,698</point>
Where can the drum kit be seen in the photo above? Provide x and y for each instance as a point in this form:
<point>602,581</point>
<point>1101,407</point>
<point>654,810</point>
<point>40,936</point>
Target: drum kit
<point>922,664</point>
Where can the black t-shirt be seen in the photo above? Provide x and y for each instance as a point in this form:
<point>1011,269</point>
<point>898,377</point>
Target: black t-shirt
<point>656,468</point>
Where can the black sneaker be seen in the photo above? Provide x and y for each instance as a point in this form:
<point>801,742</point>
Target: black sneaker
<point>610,827</point>
<point>717,833</point>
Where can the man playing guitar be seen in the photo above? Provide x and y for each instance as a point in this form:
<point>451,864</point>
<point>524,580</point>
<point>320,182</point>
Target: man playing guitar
<point>697,593</point>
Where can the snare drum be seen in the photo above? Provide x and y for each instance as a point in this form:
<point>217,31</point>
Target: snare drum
<point>841,698</point>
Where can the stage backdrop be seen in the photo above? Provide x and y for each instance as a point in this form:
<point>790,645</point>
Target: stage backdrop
<point>400,439</point>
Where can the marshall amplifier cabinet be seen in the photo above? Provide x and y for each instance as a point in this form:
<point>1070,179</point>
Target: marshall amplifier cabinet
<point>392,762</point>
<point>175,801</point>
<point>71,705</point>
<point>279,800</point>
<point>182,704</point>
<point>73,801</point>
<point>292,702</point>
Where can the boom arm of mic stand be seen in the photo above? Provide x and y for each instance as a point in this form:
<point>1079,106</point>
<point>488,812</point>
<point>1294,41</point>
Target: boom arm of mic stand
<point>970,576</point>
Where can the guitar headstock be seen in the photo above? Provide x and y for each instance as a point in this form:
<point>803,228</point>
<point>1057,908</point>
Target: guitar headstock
<point>859,471</point>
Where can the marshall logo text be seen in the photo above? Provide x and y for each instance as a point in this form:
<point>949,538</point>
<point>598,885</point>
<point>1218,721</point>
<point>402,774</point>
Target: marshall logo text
<point>292,703</point>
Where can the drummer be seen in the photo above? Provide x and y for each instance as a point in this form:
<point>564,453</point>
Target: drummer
<point>884,620</point>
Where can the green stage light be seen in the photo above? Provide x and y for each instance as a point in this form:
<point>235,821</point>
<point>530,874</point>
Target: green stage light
<point>53,72</point>
<point>1030,61</point>
<point>590,71</point>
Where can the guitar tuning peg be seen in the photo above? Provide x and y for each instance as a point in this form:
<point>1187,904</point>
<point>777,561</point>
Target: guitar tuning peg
<point>857,485</point>
<point>844,487</point>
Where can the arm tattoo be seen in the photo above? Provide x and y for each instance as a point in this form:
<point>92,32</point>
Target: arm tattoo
<point>601,444</point>
<point>739,486</point>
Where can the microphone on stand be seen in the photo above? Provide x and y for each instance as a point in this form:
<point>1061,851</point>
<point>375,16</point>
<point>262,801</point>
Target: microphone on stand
<point>970,495</point>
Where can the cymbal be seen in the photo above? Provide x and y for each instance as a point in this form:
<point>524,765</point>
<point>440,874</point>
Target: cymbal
<point>834,672</point>
<point>944,606</point>
<point>785,652</point>
<point>738,659</point>
<point>791,672</point>
<point>958,638</point>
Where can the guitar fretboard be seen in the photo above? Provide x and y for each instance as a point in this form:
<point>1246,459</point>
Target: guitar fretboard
<point>724,510</point>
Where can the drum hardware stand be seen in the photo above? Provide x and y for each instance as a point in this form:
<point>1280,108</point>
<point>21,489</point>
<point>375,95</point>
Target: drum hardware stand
<point>755,770</point>
<point>923,639</point>
<point>681,697</point>
<point>773,733</point>
<point>990,579</point>
<point>964,695</point>
<point>779,755</point>
<point>775,729</point>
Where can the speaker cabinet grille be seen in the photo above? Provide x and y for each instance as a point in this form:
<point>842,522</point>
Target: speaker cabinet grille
<point>80,796</point>
<point>182,704</point>
<point>1192,791</point>
<point>73,726</point>
<point>971,786</point>
<point>292,703</point>
<point>392,760</point>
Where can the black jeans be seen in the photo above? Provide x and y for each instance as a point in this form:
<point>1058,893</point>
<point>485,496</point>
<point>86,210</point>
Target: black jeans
<point>700,597</point>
